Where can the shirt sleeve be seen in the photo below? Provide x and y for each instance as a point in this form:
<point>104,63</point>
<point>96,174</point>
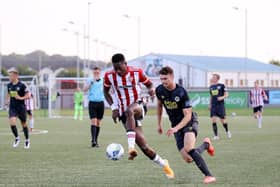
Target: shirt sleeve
<point>185,100</point>
<point>25,88</point>
<point>157,93</point>
<point>107,82</point>
<point>143,78</point>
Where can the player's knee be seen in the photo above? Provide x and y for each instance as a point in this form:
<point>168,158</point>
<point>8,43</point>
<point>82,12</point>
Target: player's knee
<point>188,148</point>
<point>129,112</point>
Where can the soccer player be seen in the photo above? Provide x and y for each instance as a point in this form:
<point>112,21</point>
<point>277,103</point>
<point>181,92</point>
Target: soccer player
<point>78,104</point>
<point>96,107</point>
<point>257,97</point>
<point>218,93</point>
<point>17,93</point>
<point>125,81</point>
<point>29,103</point>
<point>184,122</point>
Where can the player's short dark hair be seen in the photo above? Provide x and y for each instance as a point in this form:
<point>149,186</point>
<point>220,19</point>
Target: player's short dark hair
<point>96,68</point>
<point>166,70</point>
<point>117,58</point>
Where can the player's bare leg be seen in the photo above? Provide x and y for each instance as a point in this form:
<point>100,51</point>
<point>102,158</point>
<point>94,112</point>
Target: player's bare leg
<point>150,153</point>
<point>215,128</point>
<point>133,111</point>
<point>225,125</point>
<point>13,121</point>
<point>189,143</point>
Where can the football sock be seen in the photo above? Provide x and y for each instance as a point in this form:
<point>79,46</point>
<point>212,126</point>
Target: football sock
<point>14,130</point>
<point>26,134</point>
<point>31,123</point>
<point>202,147</point>
<point>97,133</point>
<point>199,161</point>
<point>260,121</point>
<point>226,126</point>
<point>158,160</point>
<point>131,135</point>
<point>93,133</point>
<point>215,129</point>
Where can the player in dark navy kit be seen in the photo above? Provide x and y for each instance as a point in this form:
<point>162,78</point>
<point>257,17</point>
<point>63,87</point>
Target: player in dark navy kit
<point>17,93</point>
<point>218,93</point>
<point>184,122</point>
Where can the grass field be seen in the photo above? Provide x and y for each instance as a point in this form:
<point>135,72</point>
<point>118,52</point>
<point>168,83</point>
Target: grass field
<point>63,157</point>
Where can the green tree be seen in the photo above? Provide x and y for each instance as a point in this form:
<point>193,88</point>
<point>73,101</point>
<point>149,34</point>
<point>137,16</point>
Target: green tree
<point>72,72</point>
<point>25,70</point>
<point>275,62</point>
<point>4,72</point>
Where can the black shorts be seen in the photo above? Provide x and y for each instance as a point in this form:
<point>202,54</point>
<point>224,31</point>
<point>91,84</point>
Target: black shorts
<point>258,109</point>
<point>19,111</point>
<point>96,109</point>
<point>29,112</point>
<point>218,111</point>
<point>192,126</point>
<point>122,118</point>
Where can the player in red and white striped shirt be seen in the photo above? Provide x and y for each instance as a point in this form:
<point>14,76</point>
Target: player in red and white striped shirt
<point>29,104</point>
<point>125,84</point>
<point>257,97</point>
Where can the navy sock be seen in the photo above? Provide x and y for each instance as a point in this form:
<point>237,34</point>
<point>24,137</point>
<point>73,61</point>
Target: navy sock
<point>26,133</point>
<point>93,133</point>
<point>97,133</point>
<point>202,147</point>
<point>215,129</point>
<point>226,126</point>
<point>14,130</point>
<point>199,161</point>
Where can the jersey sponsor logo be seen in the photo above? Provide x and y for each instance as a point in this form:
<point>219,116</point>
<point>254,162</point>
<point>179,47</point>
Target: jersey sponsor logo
<point>13,93</point>
<point>171,105</point>
<point>214,92</point>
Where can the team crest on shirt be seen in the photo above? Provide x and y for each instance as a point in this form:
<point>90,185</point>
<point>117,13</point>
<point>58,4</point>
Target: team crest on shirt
<point>18,88</point>
<point>218,87</point>
<point>162,96</point>
<point>177,98</point>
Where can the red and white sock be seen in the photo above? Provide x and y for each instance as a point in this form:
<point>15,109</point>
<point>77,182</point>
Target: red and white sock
<point>131,135</point>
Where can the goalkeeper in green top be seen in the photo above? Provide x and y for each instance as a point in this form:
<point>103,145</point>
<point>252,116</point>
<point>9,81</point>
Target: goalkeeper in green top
<point>78,104</point>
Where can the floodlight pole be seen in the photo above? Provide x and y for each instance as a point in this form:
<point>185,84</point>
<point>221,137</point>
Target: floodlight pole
<point>245,40</point>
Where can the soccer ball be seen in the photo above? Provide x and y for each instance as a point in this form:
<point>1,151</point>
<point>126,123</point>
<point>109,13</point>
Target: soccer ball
<point>233,114</point>
<point>114,151</point>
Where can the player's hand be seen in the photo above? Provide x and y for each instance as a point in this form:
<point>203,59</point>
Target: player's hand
<point>209,107</point>
<point>171,131</point>
<point>160,130</point>
<point>151,92</point>
<point>18,97</point>
<point>115,115</point>
<point>220,98</point>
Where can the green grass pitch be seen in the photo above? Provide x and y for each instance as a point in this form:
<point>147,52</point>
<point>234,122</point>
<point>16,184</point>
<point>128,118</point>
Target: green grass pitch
<point>63,157</point>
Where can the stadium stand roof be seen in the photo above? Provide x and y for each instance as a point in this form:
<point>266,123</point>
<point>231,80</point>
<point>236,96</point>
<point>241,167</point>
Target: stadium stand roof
<point>215,63</point>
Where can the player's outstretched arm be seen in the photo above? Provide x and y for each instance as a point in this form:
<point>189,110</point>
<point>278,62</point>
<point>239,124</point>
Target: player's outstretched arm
<point>187,118</point>
<point>159,116</point>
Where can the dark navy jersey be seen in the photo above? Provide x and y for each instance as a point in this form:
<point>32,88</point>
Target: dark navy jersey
<point>217,90</point>
<point>174,102</point>
<point>19,89</point>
